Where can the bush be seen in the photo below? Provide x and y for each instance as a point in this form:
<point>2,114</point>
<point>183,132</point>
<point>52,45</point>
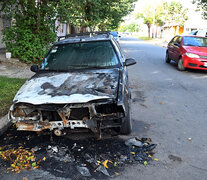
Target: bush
<point>27,45</point>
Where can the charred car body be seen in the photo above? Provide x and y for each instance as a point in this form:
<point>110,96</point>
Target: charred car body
<point>81,85</point>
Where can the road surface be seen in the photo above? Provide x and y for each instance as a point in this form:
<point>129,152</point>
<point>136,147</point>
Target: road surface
<point>170,107</point>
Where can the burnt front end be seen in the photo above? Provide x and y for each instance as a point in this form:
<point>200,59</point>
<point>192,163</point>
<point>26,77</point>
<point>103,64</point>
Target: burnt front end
<point>62,118</point>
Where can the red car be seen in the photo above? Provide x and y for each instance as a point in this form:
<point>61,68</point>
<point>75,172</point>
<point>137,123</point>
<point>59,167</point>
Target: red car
<point>188,52</point>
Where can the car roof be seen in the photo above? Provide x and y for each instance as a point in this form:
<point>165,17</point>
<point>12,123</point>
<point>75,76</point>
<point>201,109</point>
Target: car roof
<point>190,36</point>
<point>83,37</point>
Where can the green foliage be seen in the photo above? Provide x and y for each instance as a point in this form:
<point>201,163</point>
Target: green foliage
<point>202,4</point>
<point>169,13</point>
<point>175,13</point>
<point>9,87</point>
<point>144,38</point>
<point>132,27</point>
<point>114,11</point>
<point>150,14</point>
<point>33,29</point>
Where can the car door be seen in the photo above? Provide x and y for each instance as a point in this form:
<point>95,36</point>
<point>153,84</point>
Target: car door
<point>177,49</point>
<point>124,70</point>
<point>171,47</point>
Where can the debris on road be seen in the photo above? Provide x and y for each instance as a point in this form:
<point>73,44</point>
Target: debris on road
<point>84,171</point>
<point>103,170</point>
<point>64,157</point>
<point>20,158</point>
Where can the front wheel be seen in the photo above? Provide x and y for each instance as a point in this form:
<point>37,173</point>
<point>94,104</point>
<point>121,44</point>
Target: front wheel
<point>167,59</point>
<point>126,127</point>
<point>181,66</point>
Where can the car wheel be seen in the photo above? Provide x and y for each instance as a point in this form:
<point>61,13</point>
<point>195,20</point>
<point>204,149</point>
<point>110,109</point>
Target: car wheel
<point>181,66</point>
<point>167,59</point>
<point>126,126</point>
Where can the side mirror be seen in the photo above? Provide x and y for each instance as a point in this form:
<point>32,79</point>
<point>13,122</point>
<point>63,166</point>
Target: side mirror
<point>129,62</point>
<point>34,68</point>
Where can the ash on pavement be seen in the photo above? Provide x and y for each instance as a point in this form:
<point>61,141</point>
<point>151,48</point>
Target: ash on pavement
<point>85,158</point>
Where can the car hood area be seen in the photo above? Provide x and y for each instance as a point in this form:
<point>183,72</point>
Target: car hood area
<point>201,51</point>
<point>69,87</point>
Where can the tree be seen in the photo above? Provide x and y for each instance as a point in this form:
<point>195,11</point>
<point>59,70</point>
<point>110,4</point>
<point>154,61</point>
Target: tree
<point>33,29</point>
<point>172,13</point>
<point>202,4</point>
<point>151,13</point>
<point>113,11</point>
<point>132,27</point>
<point>175,13</point>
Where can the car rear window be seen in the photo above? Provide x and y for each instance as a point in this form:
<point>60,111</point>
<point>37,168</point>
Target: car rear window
<point>195,41</point>
<point>97,54</point>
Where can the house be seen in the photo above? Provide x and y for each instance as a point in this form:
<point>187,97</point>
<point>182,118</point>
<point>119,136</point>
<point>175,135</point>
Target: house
<point>194,22</point>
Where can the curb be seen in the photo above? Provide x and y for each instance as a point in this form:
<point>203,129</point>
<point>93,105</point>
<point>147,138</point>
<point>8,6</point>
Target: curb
<point>4,124</point>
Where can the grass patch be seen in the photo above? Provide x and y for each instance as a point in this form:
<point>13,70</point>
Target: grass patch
<point>8,89</point>
<point>145,38</point>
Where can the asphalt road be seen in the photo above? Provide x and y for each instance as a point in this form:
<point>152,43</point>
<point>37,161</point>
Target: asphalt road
<point>170,107</point>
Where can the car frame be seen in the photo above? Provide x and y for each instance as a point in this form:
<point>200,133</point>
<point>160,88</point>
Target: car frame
<point>88,99</point>
<point>187,56</point>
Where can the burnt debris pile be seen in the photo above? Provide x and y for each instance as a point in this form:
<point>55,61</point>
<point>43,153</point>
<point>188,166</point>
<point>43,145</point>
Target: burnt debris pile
<point>78,159</point>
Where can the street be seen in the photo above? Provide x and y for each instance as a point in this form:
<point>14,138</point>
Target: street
<point>168,106</point>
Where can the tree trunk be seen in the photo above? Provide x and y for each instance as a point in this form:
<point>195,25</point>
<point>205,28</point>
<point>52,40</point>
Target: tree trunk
<point>83,29</point>
<point>149,26</point>
<point>72,30</point>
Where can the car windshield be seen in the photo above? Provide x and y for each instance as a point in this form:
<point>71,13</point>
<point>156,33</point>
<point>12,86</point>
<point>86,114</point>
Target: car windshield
<point>195,41</point>
<point>81,55</point>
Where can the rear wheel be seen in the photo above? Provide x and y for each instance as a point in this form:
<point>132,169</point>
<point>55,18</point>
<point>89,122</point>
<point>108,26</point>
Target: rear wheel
<point>167,59</point>
<point>126,126</point>
<point>181,66</point>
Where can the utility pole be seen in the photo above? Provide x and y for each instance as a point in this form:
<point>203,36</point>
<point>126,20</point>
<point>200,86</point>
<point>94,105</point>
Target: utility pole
<point>153,24</point>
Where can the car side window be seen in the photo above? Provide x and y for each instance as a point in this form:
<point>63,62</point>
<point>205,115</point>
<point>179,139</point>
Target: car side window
<point>174,40</point>
<point>178,41</point>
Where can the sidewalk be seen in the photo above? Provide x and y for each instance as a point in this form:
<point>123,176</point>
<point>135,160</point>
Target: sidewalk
<point>155,41</point>
<point>159,42</point>
<point>12,68</point>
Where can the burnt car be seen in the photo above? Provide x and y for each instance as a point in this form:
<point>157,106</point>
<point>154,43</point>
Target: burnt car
<point>82,85</point>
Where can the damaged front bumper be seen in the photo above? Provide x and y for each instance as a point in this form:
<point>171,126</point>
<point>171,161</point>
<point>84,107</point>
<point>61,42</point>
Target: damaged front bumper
<point>93,116</point>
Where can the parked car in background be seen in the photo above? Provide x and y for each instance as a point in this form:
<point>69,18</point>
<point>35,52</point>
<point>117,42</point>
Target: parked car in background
<point>188,52</point>
<point>82,85</point>
<point>194,32</point>
<point>115,35</point>
<point>201,32</point>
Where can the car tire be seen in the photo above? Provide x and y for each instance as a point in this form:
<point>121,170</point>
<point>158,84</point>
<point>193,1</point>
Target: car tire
<point>126,126</point>
<point>167,59</point>
<point>181,66</point>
